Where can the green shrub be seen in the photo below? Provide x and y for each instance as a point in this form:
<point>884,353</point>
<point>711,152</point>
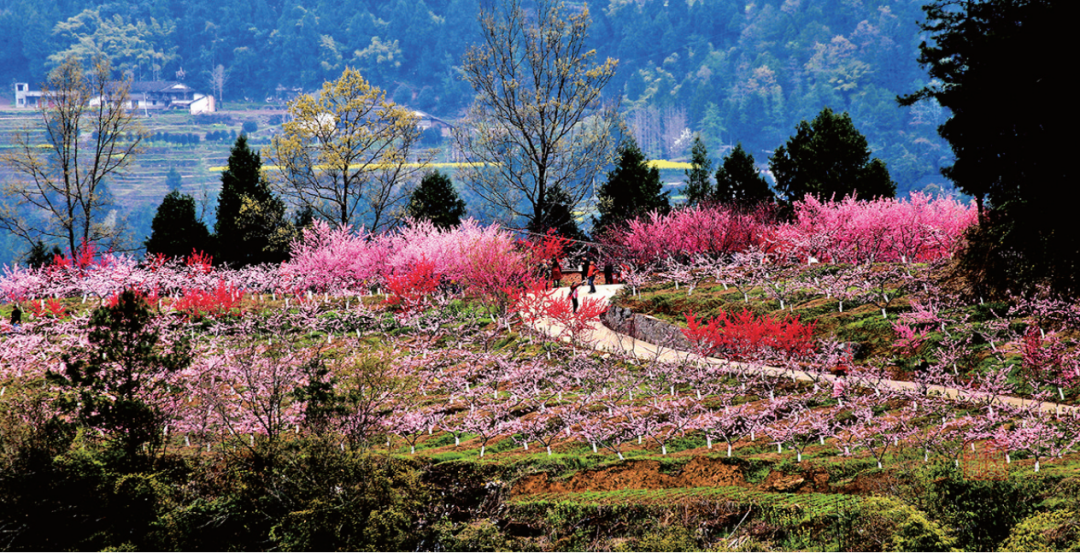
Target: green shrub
<point>479,535</point>
<point>886,524</point>
<point>1050,531</point>
<point>668,538</point>
<point>981,513</point>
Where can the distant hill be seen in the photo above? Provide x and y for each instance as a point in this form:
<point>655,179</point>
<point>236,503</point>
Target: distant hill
<point>733,70</point>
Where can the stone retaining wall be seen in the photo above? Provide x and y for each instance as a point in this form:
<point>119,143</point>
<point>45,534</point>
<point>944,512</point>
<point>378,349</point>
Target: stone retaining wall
<point>644,328</point>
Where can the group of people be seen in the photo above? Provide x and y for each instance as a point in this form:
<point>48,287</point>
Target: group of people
<point>589,272</point>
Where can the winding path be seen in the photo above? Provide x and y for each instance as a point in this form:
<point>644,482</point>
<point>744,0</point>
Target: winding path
<point>603,338</point>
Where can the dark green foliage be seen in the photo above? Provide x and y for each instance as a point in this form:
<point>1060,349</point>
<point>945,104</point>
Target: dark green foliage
<point>1010,105</point>
<point>632,190</point>
<point>304,217</point>
<point>436,200</point>
<point>981,513</point>
<point>698,187</point>
<point>557,216</point>
<point>1049,531</point>
<point>40,255</point>
<point>739,181</point>
<point>176,231</point>
<point>315,498</point>
<point>251,225</point>
<point>829,158</point>
<point>173,180</point>
<point>250,127</point>
<point>113,377</point>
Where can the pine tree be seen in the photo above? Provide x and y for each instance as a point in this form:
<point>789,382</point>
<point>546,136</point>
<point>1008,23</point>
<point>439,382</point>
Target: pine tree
<point>40,255</point>
<point>1011,106</point>
<point>176,231</point>
<point>829,158</point>
<point>698,187</point>
<point>738,180</point>
<point>251,225</point>
<point>436,200</point>
<point>632,190</point>
<point>125,363</point>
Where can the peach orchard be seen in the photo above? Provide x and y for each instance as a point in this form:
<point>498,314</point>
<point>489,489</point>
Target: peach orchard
<point>387,340</point>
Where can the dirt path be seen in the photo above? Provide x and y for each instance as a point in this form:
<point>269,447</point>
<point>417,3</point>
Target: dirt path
<point>602,338</point>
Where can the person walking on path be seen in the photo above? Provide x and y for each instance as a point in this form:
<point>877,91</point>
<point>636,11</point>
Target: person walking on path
<point>573,294</point>
<point>609,273</point>
<point>590,271</point>
<point>556,273</point>
<point>16,317</point>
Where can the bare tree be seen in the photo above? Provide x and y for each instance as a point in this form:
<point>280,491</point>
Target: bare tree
<point>218,78</point>
<point>90,135</point>
<point>539,121</point>
<point>645,123</point>
<point>677,136</point>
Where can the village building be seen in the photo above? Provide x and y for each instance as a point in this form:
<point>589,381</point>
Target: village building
<point>146,95</point>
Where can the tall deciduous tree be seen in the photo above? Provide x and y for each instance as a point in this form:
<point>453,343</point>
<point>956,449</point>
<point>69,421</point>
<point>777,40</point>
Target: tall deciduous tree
<point>738,180</point>
<point>991,64</point>
<point>539,121</point>
<point>632,190</point>
<point>829,157</point>
<point>61,193</point>
<point>176,230</point>
<point>698,187</point>
<point>348,153</point>
<point>251,225</point>
<point>436,200</point>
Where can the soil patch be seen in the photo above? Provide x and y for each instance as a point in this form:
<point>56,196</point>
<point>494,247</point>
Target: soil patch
<point>635,475</point>
<point>781,482</point>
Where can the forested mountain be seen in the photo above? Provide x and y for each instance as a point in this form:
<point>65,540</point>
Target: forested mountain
<point>733,70</point>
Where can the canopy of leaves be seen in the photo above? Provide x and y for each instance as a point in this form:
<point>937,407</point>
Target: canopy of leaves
<point>632,190</point>
<point>177,231</point>
<point>829,158</point>
<point>249,216</point>
<point>436,200</point>
<point>1009,101</point>
<point>739,181</point>
<point>348,152</point>
<point>698,187</point>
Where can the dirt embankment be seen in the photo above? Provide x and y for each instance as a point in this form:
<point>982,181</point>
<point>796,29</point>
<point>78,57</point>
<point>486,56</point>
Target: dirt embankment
<point>648,475</point>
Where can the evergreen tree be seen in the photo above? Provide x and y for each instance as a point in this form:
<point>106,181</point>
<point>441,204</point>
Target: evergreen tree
<point>698,187</point>
<point>738,180</point>
<point>632,189</point>
<point>251,225</point>
<point>40,255</point>
<point>173,180</point>
<point>558,216</point>
<point>829,158</point>
<point>990,63</point>
<point>123,364</point>
<point>176,231</point>
<point>436,200</point>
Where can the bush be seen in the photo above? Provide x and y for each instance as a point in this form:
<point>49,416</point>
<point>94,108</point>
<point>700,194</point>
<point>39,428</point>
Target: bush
<point>886,524</point>
<point>1050,531</point>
